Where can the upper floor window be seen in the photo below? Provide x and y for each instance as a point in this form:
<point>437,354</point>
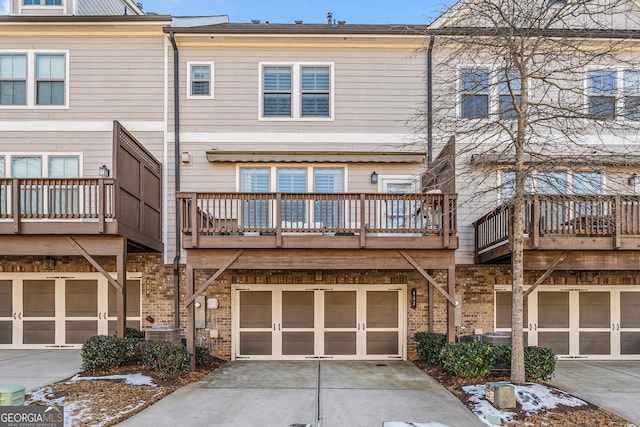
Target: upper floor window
<point>632,94</point>
<point>474,92</point>
<point>509,93</point>
<point>613,94</point>
<point>601,90</point>
<point>13,79</point>
<point>43,2</point>
<point>483,92</point>
<point>50,76</point>
<point>34,79</point>
<point>296,91</point>
<point>200,80</point>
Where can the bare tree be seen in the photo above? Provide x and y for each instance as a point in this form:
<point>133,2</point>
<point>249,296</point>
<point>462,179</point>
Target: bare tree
<point>533,86</point>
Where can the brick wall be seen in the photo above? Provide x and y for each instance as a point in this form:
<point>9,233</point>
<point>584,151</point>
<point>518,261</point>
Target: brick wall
<point>474,284</point>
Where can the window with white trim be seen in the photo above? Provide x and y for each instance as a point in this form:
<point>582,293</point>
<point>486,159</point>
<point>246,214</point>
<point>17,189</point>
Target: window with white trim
<point>59,198</point>
<point>13,79</point>
<point>34,79</point>
<point>474,93</point>
<point>295,213</point>
<point>613,94</point>
<point>298,91</point>
<point>484,92</point>
<point>200,80</point>
<point>42,2</point>
<point>509,93</point>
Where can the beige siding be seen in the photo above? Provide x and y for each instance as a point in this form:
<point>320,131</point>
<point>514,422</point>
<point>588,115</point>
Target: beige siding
<point>376,91</point>
<point>109,78</point>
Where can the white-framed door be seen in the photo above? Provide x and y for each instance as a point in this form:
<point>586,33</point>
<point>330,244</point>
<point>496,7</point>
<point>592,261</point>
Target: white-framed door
<point>61,310</point>
<point>310,322</point>
<point>586,322</point>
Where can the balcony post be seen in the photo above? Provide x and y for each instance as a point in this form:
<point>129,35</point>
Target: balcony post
<point>15,204</point>
<point>535,233</point>
<point>363,229</point>
<point>279,220</point>
<point>101,205</point>
<point>195,226</point>
<point>446,229</point>
<point>617,226</point>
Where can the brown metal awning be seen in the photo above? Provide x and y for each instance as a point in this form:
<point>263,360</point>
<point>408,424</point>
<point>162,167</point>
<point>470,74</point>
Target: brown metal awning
<point>315,157</point>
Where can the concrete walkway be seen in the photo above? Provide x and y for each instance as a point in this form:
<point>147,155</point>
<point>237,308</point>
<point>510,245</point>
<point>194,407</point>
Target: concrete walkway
<point>33,369</point>
<point>612,385</point>
<point>326,393</point>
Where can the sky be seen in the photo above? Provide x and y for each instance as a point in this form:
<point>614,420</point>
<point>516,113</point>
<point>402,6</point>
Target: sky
<point>309,11</point>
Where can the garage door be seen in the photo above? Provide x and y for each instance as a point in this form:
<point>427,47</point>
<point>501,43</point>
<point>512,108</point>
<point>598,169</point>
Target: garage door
<point>585,323</point>
<point>39,310</point>
<point>305,322</point>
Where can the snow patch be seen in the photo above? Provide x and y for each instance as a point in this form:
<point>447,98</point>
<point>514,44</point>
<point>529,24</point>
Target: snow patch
<point>407,424</point>
<point>133,379</point>
<point>533,398</point>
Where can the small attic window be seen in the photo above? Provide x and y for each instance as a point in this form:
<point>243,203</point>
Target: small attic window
<point>558,2</point>
<point>43,2</point>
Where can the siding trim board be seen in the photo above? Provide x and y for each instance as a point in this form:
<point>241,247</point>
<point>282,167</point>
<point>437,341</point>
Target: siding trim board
<point>315,157</point>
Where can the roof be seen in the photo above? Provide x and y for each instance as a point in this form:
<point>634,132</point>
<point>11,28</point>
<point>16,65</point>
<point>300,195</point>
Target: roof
<point>267,28</point>
<point>81,19</point>
<point>108,7</point>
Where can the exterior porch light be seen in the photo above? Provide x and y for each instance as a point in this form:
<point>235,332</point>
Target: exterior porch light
<point>634,179</point>
<point>374,177</point>
<point>103,171</point>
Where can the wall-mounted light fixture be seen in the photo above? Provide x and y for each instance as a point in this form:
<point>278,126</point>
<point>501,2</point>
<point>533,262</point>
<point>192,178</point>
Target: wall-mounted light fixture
<point>414,298</point>
<point>634,180</point>
<point>147,287</point>
<point>103,171</point>
<point>374,177</point>
<point>185,157</point>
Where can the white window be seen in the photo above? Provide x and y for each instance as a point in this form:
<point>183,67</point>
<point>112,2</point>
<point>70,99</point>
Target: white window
<point>485,92</point>
<point>34,79</point>
<point>325,212</point>
<point>296,91</point>
<point>509,93</point>
<point>36,197</point>
<point>42,2</point>
<point>613,94</point>
<point>200,80</point>
<point>13,79</point>
<point>587,183</point>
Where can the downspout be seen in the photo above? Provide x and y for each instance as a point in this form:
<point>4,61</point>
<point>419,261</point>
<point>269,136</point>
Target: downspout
<point>176,128</point>
<point>432,39</point>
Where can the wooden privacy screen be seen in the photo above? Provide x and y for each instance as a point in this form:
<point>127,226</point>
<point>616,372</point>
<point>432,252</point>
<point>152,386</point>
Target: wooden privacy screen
<point>139,193</point>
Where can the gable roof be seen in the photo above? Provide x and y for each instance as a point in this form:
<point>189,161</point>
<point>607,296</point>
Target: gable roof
<point>108,7</point>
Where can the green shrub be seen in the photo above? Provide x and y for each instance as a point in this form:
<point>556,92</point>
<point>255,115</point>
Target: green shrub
<point>133,333</point>
<point>502,356</point>
<point>133,346</point>
<point>169,358</point>
<point>203,356</point>
<point>468,359</point>
<point>102,352</point>
<point>429,345</point>
<point>539,362</point>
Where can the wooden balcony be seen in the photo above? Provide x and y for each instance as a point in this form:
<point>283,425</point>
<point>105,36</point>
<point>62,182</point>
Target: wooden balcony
<point>318,221</point>
<point>76,206</point>
<point>562,223</point>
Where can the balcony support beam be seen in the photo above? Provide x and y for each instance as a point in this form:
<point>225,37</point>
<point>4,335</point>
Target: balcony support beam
<point>218,273</point>
<point>546,274</point>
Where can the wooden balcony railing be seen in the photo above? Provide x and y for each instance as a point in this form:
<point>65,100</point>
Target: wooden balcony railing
<point>55,200</point>
<point>219,214</point>
<point>614,216</point>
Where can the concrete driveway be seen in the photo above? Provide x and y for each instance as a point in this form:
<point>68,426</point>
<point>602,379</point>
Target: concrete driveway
<point>613,385</point>
<point>327,393</point>
<point>33,369</point>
